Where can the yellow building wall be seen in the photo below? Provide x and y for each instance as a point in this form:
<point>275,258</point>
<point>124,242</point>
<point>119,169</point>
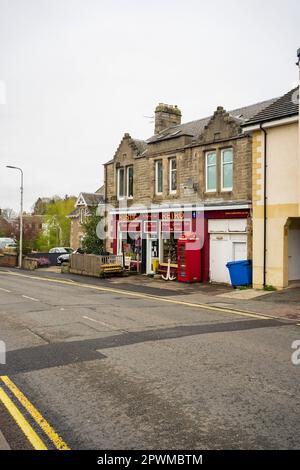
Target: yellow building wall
<point>282,203</point>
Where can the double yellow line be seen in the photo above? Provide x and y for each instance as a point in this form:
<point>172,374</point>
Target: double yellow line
<point>35,440</point>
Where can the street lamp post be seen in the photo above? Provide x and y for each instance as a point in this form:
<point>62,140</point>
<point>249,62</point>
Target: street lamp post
<point>21,215</point>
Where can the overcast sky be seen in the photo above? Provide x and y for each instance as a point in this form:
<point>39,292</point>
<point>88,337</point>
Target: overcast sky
<point>75,75</point>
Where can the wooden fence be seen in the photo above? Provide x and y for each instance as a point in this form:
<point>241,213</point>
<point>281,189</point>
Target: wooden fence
<point>91,265</point>
<point>8,260</point>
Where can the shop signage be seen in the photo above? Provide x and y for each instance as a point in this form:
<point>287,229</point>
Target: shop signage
<point>176,226</point>
<point>172,216</point>
<point>238,214</point>
<point>138,217</point>
<point>130,227</point>
<point>150,227</point>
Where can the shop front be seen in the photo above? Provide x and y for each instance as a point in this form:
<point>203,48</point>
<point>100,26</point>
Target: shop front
<point>148,240</point>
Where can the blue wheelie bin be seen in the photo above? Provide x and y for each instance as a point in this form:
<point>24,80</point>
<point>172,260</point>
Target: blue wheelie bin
<point>240,272</point>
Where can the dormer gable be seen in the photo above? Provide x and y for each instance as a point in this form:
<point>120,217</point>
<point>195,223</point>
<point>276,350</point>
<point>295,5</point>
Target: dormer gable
<point>80,201</point>
<point>221,126</point>
<point>129,149</point>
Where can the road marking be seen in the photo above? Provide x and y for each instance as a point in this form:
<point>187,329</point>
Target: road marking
<point>30,298</point>
<point>35,414</point>
<point>148,296</point>
<point>31,435</point>
<point>5,290</point>
<point>101,322</point>
<point>92,319</point>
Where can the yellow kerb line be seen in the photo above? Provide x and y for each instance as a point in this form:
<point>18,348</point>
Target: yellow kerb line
<point>31,435</point>
<point>148,296</point>
<point>35,414</point>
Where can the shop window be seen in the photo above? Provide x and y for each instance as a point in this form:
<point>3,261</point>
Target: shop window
<point>173,175</point>
<point>158,177</point>
<point>227,169</point>
<point>121,182</point>
<point>169,248</point>
<point>132,245</point>
<point>211,171</point>
<point>130,181</point>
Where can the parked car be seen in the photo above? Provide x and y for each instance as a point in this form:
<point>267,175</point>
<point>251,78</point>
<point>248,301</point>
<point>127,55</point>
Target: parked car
<point>61,249</point>
<point>65,257</point>
<point>6,241</point>
<point>11,248</point>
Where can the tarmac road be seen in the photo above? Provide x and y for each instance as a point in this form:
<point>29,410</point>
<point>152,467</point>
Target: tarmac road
<point>105,369</point>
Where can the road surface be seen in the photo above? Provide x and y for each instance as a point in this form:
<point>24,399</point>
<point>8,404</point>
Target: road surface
<point>90,368</point>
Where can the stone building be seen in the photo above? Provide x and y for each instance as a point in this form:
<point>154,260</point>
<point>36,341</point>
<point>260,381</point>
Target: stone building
<point>84,203</point>
<point>188,177</point>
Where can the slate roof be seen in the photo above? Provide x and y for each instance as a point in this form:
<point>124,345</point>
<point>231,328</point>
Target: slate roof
<point>93,199</point>
<point>101,190</point>
<point>195,128</point>
<point>141,146</point>
<point>74,213</point>
<point>285,106</point>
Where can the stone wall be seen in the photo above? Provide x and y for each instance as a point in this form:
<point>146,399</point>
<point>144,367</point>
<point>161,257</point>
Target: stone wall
<point>221,132</point>
<point>76,233</point>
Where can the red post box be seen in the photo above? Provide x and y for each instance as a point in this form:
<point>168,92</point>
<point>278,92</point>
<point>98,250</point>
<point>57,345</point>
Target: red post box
<point>189,258</point>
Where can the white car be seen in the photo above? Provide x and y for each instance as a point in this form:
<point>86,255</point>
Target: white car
<point>61,249</point>
<point>65,257</point>
<point>6,241</point>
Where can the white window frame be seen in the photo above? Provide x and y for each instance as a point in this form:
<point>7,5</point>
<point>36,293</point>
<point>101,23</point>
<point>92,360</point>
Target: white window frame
<point>82,210</point>
<point>121,236</point>
<point>229,189</point>
<point>172,191</point>
<point>158,193</point>
<point>118,183</point>
<point>206,171</point>
<point>127,182</point>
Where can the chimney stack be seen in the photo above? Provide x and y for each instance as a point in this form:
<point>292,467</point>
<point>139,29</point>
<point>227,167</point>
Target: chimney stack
<point>166,115</point>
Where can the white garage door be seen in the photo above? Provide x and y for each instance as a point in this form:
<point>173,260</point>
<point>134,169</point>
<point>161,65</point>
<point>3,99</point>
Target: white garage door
<point>239,250</point>
<point>225,248</point>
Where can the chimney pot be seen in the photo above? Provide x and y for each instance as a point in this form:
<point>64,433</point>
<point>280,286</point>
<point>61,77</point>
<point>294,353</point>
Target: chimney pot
<point>166,115</point>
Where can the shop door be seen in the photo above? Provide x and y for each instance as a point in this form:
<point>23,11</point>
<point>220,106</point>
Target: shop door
<point>152,253</point>
<point>225,248</point>
<point>220,253</point>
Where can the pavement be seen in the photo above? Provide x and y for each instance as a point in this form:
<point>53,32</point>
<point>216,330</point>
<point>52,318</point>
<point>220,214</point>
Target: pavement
<point>140,364</point>
<point>283,304</point>
<point>3,443</point>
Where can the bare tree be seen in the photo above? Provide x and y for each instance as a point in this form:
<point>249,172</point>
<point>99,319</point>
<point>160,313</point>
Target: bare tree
<point>8,213</point>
